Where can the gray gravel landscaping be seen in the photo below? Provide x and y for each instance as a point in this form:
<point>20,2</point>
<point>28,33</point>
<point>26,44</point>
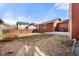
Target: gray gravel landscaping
<point>38,45</point>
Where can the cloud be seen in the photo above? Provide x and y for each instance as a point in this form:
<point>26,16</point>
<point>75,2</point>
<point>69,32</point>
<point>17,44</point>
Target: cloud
<point>21,18</point>
<point>9,21</point>
<point>24,19</point>
<point>8,18</point>
<point>62,6</point>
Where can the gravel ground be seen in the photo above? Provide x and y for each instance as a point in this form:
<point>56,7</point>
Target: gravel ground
<point>48,45</point>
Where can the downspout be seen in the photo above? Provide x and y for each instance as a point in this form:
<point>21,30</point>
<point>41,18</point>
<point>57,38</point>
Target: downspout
<point>73,46</point>
<point>70,21</point>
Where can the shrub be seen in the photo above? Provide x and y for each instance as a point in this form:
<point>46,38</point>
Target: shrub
<point>8,37</point>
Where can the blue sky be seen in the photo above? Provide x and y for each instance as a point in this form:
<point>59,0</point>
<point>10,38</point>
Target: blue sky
<point>33,12</point>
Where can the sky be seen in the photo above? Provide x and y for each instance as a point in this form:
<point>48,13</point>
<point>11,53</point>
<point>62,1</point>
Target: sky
<point>33,12</point>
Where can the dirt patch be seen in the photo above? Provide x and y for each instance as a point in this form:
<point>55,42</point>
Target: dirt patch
<point>47,43</point>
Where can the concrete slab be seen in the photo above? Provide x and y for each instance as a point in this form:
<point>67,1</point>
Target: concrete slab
<point>59,33</point>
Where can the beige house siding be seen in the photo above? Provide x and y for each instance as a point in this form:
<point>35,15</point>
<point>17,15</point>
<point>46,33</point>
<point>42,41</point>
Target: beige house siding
<point>20,27</point>
<point>1,26</point>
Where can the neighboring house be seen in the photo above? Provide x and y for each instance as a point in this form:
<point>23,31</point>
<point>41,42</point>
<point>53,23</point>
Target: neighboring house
<point>7,26</point>
<point>74,21</point>
<point>4,28</point>
<point>1,26</point>
<point>22,25</point>
<point>32,27</point>
<point>48,26</point>
<point>63,26</point>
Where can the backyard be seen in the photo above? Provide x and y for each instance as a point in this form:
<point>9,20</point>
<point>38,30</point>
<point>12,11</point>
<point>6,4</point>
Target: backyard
<point>37,45</point>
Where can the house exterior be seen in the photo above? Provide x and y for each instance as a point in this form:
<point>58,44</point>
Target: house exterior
<point>1,26</point>
<point>22,25</point>
<point>7,26</point>
<point>32,27</point>
<point>63,26</point>
<point>74,21</point>
<point>4,27</point>
<point>48,26</point>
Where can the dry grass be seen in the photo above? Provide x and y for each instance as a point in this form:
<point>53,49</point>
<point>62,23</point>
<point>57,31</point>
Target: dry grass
<point>8,37</point>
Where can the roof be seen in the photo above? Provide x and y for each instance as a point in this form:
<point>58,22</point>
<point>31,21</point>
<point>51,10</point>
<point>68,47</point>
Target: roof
<point>64,21</point>
<point>51,21</point>
<point>32,24</point>
<point>24,23</point>
<point>67,20</point>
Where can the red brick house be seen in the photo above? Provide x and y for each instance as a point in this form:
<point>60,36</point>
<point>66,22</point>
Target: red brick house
<point>63,26</point>
<point>55,25</point>
<point>48,26</point>
<point>74,20</point>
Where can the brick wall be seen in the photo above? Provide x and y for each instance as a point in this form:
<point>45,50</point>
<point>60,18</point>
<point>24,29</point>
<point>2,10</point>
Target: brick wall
<point>40,29</point>
<point>62,27</point>
<point>75,20</point>
<point>48,27</point>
